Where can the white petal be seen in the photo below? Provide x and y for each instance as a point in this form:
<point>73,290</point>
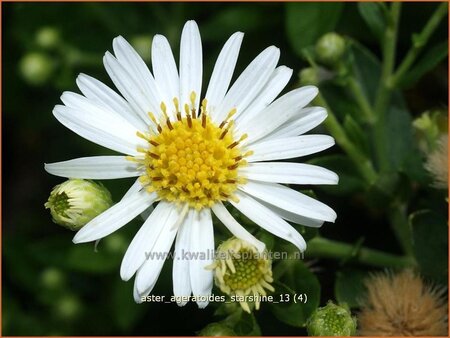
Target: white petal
<point>79,102</point>
<point>180,273</point>
<point>289,147</point>
<point>108,98</point>
<point>190,64</point>
<point>277,113</point>
<point>133,63</point>
<point>249,83</point>
<point>202,251</point>
<point>138,296</point>
<point>289,173</point>
<point>307,119</point>
<point>235,228</point>
<point>137,186</point>
<point>95,167</point>
<point>268,220</point>
<point>291,217</point>
<point>290,200</point>
<point>115,217</point>
<point>161,219</point>
<point>99,128</point>
<point>278,80</point>
<point>149,272</point>
<point>223,71</point>
<point>165,70</point>
<point>129,87</point>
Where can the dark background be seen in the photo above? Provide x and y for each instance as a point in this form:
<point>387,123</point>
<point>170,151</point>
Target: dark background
<point>52,287</point>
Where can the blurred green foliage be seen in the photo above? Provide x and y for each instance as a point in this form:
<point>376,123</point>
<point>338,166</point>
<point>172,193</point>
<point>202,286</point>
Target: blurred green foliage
<point>52,287</point>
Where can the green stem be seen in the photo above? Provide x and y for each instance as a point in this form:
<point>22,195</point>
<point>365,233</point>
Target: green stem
<point>363,164</point>
<point>400,225</point>
<point>325,248</point>
<point>384,92</point>
<point>361,99</point>
<point>419,43</point>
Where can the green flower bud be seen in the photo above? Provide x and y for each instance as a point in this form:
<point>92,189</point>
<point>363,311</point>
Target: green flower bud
<point>68,307</point>
<point>142,45</point>
<point>331,320</point>
<point>52,278</point>
<point>216,330</point>
<point>47,37</point>
<point>330,48</point>
<point>36,68</point>
<point>240,271</point>
<point>309,76</point>
<point>75,202</point>
<point>429,127</point>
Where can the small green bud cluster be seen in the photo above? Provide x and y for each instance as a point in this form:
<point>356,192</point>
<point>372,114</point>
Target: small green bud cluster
<point>331,320</point>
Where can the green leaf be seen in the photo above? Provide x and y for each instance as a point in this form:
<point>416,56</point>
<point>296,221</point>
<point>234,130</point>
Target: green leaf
<point>366,68</point>
<point>372,13</point>
<point>295,279</point>
<point>349,286</point>
<point>427,62</point>
<point>349,179</point>
<point>306,22</point>
<point>430,243</point>
<point>356,134</point>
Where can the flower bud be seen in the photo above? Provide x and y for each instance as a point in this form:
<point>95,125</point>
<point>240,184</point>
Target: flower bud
<point>429,127</point>
<point>240,271</point>
<point>52,278</point>
<point>47,37</point>
<point>309,76</point>
<point>141,44</point>
<point>36,68</point>
<point>75,202</point>
<point>331,320</point>
<point>330,48</point>
<point>216,330</point>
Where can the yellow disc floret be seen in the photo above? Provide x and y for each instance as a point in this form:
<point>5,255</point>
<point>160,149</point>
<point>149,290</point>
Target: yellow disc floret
<point>192,160</point>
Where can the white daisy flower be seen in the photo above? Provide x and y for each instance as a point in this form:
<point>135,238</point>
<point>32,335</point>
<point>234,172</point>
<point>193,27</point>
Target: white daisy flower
<point>192,155</point>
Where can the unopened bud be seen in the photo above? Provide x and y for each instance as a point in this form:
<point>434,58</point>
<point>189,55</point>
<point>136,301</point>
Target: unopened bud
<point>47,37</point>
<point>309,76</point>
<point>75,202</point>
<point>331,320</point>
<point>216,330</point>
<point>141,44</point>
<point>330,48</point>
<point>36,68</point>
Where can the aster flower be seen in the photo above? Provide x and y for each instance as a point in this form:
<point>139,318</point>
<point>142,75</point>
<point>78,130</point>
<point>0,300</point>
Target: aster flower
<point>193,155</point>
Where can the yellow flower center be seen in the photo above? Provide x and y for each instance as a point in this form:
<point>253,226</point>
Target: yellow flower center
<point>191,159</point>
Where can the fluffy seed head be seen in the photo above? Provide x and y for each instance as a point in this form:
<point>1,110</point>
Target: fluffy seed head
<point>402,305</point>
